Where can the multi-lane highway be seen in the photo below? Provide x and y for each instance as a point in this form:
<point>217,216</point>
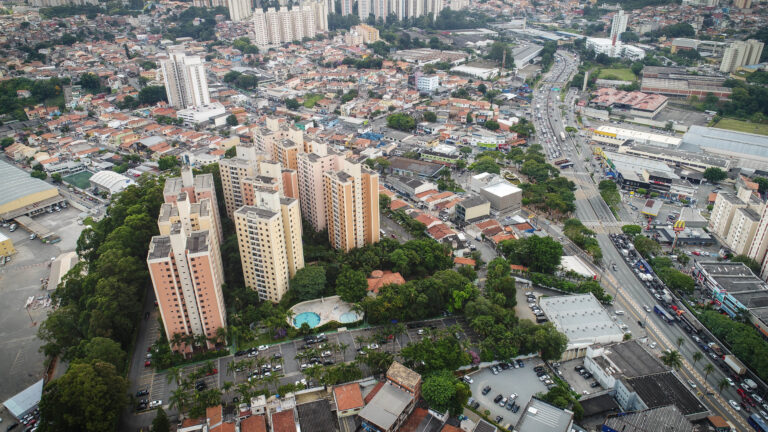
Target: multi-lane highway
<point>630,294</point>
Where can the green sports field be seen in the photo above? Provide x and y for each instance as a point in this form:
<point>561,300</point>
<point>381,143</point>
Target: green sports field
<point>742,126</point>
<point>79,180</point>
<point>623,74</point>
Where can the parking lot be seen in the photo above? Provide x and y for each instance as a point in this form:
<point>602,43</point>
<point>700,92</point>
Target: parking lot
<point>20,279</point>
<point>522,381</point>
<point>576,380</point>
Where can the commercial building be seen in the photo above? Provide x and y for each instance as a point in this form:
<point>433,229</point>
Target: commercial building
<point>21,194</point>
<point>705,47</point>
<point>639,381</point>
<point>185,265</point>
<point>412,167</point>
<point>734,288</point>
<point>616,48</point>
<point>666,418</point>
<point>744,150</point>
<point>541,416</point>
<point>583,320</point>
<point>6,246</point>
<point>676,81</point>
<point>410,186</point>
<point>503,196</point>
<point>394,400</point>
<point>239,10</point>
<point>741,53</point>
<point>110,182</point>
<point>472,208</point>
<point>617,137</point>
<point>186,84</point>
<point>275,27</point>
<point>196,115</point>
<point>632,103</point>
<point>427,83</point>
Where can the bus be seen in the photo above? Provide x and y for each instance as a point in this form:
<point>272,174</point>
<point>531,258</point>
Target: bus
<point>562,136</point>
<point>566,165</point>
<point>757,423</point>
<point>663,314</point>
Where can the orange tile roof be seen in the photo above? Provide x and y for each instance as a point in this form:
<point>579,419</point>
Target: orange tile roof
<point>397,204</point>
<point>486,224</point>
<point>380,278</point>
<point>224,427</point>
<point>214,414</point>
<point>524,226</point>
<point>498,238</point>
<point>440,231</point>
<point>712,197</point>
<point>449,428</point>
<point>426,219</point>
<point>254,423</point>
<point>426,193</point>
<point>283,421</point>
<point>386,192</point>
<point>518,267</point>
<point>464,261</point>
<point>348,396</point>
<point>436,197</point>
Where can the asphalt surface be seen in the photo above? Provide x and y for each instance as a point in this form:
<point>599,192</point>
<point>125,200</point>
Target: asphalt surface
<point>629,293</point>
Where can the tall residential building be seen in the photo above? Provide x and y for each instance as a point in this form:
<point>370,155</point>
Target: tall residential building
<point>339,195</point>
<point>380,9</point>
<point>346,7</point>
<point>362,34</point>
<point>185,262</point>
<point>186,84</point>
<point>758,250</point>
<point>741,53</point>
<point>363,9</point>
<point>269,238</point>
<point>209,3</point>
<point>618,26</point>
<point>287,25</point>
<point>742,4</point>
<point>239,10</point>
<point>248,164</point>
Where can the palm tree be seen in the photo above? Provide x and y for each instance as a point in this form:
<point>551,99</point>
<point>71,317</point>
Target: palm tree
<point>178,399</point>
<point>672,359</point>
<point>708,369</point>
<point>221,335</point>
<point>722,384</point>
<point>174,374</point>
<point>696,357</point>
<point>679,342</point>
<point>227,386</point>
<point>244,390</point>
<point>177,340</point>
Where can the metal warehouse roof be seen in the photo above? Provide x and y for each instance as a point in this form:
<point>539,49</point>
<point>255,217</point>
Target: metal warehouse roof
<point>17,183</point>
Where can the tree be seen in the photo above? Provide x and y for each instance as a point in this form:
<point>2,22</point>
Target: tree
<point>245,81</point>
<point>749,262</point>
<point>232,120</point>
<point>351,285</point>
<point>309,282</point>
<point>90,82</point>
<point>485,164</point>
<point>6,142</point>
<point>677,280</point>
<point>88,397</point>
<point>715,175</point>
<point>39,174</point>
<point>161,423</point>
<point>444,392</point>
<point>105,350</point>
<point>384,202</point>
<point>762,182</point>
<point>722,384</point>
<point>672,359</point>
<point>401,121</point>
<point>631,230</point>
<point>482,88</point>
<point>550,342</point>
<point>56,177</point>
<point>167,162</point>
<point>492,125</point>
<point>708,369</point>
<point>646,246</point>
<point>231,152</point>
<point>292,104</point>
<point>539,254</point>
<point>430,116</point>
<point>151,95</point>
<point>696,357</point>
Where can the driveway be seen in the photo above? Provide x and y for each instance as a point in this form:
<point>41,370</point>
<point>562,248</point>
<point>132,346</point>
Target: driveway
<point>522,381</point>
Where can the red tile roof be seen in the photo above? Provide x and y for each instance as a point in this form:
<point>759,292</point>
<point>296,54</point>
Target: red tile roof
<point>254,423</point>
<point>464,261</point>
<point>440,231</point>
<point>397,204</point>
<point>283,421</point>
<point>426,193</point>
<point>348,396</point>
<point>518,267</point>
<point>214,415</point>
<point>380,278</point>
<point>485,224</point>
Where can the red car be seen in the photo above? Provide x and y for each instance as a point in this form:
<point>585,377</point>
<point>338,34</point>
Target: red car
<point>394,236</point>
<point>697,253</point>
<point>147,363</point>
<point>213,372</point>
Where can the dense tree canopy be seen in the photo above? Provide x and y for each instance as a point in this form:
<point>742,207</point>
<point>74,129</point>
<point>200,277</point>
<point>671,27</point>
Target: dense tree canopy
<point>444,392</point>
<point>401,121</point>
<point>309,282</point>
<point>351,285</point>
<point>539,254</point>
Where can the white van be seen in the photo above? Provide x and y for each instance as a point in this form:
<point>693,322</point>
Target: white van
<point>619,312</point>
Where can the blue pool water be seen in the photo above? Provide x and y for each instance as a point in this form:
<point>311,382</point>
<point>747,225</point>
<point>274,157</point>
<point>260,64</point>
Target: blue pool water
<point>312,319</point>
<point>348,317</point>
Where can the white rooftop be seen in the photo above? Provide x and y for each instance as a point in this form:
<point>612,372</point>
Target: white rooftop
<point>581,318</point>
<point>574,263</point>
<point>502,189</point>
<point>641,137</point>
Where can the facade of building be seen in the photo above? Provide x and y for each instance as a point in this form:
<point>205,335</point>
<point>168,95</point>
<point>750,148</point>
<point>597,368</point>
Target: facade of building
<point>269,238</point>
<point>275,27</point>
<point>427,83</point>
<point>618,26</point>
<point>184,76</point>
<point>239,10</point>
<point>759,246</point>
<point>741,53</point>
<point>722,213</point>
<point>185,262</point>
<point>742,231</point>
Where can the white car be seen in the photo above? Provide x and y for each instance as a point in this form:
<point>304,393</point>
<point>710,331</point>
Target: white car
<point>326,354</point>
<point>730,382</point>
<point>468,379</point>
<point>263,347</point>
<point>513,396</point>
<point>647,308</point>
<point>757,398</point>
<point>652,345</point>
<point>155,403</point>
<point>735,405</point>
<point>373,346</point>
<point>691,383</point>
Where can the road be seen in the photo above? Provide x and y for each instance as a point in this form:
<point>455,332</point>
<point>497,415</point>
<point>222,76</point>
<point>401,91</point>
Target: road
<point>629,293</point>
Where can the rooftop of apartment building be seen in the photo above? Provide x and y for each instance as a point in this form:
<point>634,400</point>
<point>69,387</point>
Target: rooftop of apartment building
<point>256,211</point>
<point>159,247</point>
<point>197,242</point>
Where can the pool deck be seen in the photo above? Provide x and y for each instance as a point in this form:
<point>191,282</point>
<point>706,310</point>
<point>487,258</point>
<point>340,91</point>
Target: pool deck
<point>328,308</point>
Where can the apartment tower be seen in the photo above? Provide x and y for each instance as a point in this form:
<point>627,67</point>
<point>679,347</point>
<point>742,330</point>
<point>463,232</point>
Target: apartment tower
<point>239,10</point>
<point>185,265</point>
<point>184,76</point>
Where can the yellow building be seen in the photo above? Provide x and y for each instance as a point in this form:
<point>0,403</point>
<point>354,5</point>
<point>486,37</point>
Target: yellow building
<point>21,194</point>
<point>6,246</point>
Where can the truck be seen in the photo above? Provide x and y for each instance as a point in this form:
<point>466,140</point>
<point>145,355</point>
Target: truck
<point>625,252</point>
<point>562,136</point>
<point>735,365</point>
<point>561,161</point>
<point>715,348</point>
<point>666,296</point>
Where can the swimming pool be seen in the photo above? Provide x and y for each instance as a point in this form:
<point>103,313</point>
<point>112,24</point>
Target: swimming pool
<point>312,319</point>
<point>348,317</point>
